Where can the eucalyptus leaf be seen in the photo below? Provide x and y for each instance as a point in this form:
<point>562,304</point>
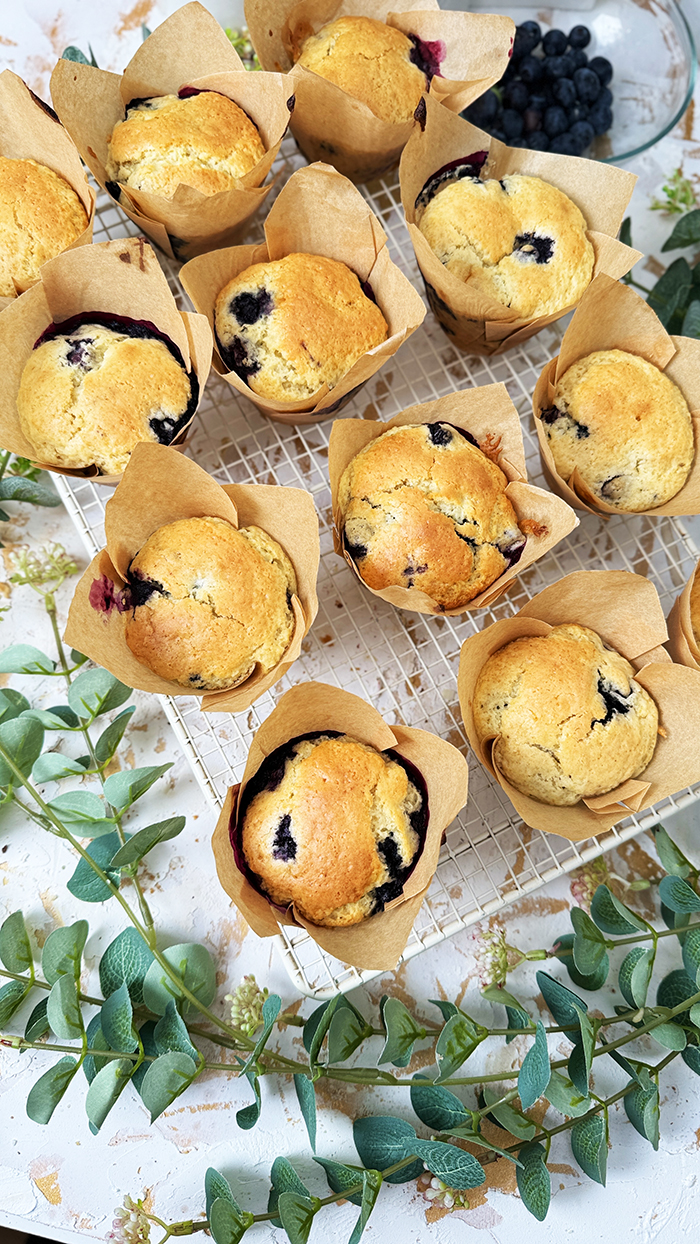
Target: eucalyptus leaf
<point>671,290</point>
<point>12,704</point>
<point>312,1024</point>
<point>675,989</point>
<point>437,1107</point>
<point>80,807</point>
<point>691,953</point>
<point>565,1006</point>
<point>508,1118</point>
<point>642,1110</point>
<point>691,1058</point>
<point>25,659</point>
<point>85,882</point>
<point>341,1178</point>
<point>165,1080</point>
<point>446,1009</point>
<point>402,1032</point>
<point>497,993</point>
<point>171,1032</point>
<point>382,1140</point>
<point>320,1028</point>
<point>16,488</point>
<point>457,1168</point>
<point>228,1223</point>
<point>96,1040</point>
<point>635,974</point>
<point>48,1090</point>
<point>686,232</point>
<point>37,1025</point>
<point>12,996</point>
<point>248,1116</point>
<point>456,1043</point>
<point>74,54</point>
<point>613,916</point>
<point>64,715</point>
<point>63,1010</point>
<point>22,739</point>
<point>105,1089</point>
<point>117,1017</point>
<point>674,892</point>
<point>563,950</point>
<point>371,1187</point>
<point>626,234</point>
<point>675,920</point>
<point>109,740</point>
<point>565,1097</point>
<point>123,789</point>
<point>194,965</point>
<point>534,1184</point>
<point>297,1216</point>
<point>270,1010</point>
<point>146,839</point>
<point>589,1145</point>
<point>15,950</point>
<point>126,959</point>
<point>535,1071</point>
<point>63,951</point>
<point>306,1096</point>
<point>671,855</point>
<point>95,692</point>
<point>671,1036</point>
<point>216,1187</point>
<point>580,1059</point>
<point>284,1179</point>
<point>52,766</point>
<point>589,942</point>
<point>345,1034</point>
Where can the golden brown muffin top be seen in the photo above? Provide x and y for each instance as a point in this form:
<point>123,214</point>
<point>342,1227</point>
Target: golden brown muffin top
<point>370,61</point>
<point>40,216</point>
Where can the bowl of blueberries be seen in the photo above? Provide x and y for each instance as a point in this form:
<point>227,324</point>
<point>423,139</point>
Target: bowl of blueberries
<point>606,81</point>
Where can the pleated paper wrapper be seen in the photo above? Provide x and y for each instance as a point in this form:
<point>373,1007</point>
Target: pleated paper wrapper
<point>624,609</point>
<point>378,941</point>
<point>682,639</point>
<point>161,486</point>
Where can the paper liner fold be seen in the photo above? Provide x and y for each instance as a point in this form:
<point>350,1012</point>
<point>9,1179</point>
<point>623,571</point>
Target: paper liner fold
<point>472,319</point>
<point>682,641</point>
<point>319,213</point>
<point>28,131</point>
<point>123,278</point>
<point>331,125</point>
<point>379,941</point>
<point>160,486</point>
<point>624,609</point>
<point>489,415</point>
<point>612,316</point>
<point>187,49</point>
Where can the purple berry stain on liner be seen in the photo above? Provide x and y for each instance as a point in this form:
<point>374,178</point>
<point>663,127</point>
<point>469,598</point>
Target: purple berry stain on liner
<point>104,596</point>
<point>456,170</point>
<point>427,55</point>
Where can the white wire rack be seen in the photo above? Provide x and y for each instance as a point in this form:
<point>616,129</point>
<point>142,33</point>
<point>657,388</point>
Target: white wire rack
<point>403,663</point>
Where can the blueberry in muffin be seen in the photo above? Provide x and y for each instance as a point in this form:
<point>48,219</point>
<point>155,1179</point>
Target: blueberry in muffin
<point>290,326</point>
<point>422,507</point>
<point>208,604</point>
<point>624,427</point>
<point>40,216</point>
<point>519,241</point>
<point>332,826</point>
<point>198,138</point>
<point>95,385</point>
<point>568,718</point>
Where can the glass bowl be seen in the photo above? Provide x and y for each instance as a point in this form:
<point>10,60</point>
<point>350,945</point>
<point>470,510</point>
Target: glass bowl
<point>651,49</point>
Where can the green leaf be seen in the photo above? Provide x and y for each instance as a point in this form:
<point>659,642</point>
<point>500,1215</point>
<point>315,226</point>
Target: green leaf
<point>63,1009</point>
<point>564,1005</point>
<point>11,997</point>
<point>74,54</point>
<point>24,659</point>
<point>117,1018</point>
<point>496,993</point>
<point>671,1036</point>
<point>535,1071</point>
<point>596,979</point>
<point>165,1079</point>
<point>306,1096</point>
<point>675,920</point>
<point>95,692</point>
<point>147,838</point>
<point>642,1110</point>
<point>126,959</point>
<point>589,943</point>
<point>96,1040</point>
<point>382,1140</point>
<point>456,1043</point>
<point>105,1089</point>
<point>674,892</point>
<point>579,1066</point>
<point>109,740</point>
<point>51,766</point>
<point>63,950</point>
<point>446,1009</point>
<point>85,883</point>
<point>45,1095</point>
<point>228,1223</point>
<point>509,1118</point>
<point>216,1187</point>
<point>347,1031</point>
<point>626,231</point>
<point>15,950</point>
<point>457,1168</point>
<point>612,916</point>
<point>147,1039</point>
<point>691,320</point>
<point>371,1187</point>
<point>635,974</point>
<point>320,1027</point>
<point>341,1177</point>
<point>63,714</point>
<point>123,789</point>
<point>686,232</point>
<point>690,949</point>
<point>674,989</point>
<point>671,290</point>
<point>312,1024</point>
<point>691,1058</point>
<point>196,968</point>
<point>671,855</point>
<point>12,704</point>
<point>22,739</point>
<point>37,1024</point>
<point>78,807</point>
<point>248,1116</point>
<point>284,1179</point>
<point>564,1096</point>
<point>402,1032</point>
<point>516,1019</point>
<point>437,1107</point>
<point>534,1183</point>
<point>589,1145</point>
<point>297,1215</point>
<point>270,1010</point>
<point>171,1033</point>
<point>15,488</point>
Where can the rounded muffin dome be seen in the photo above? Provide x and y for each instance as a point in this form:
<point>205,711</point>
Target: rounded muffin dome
<point>568,718</point>
<point>40,216</point>
<point>332,826</point>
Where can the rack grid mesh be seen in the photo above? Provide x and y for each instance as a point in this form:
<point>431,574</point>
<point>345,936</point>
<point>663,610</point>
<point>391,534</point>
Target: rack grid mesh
<point>403,663</point>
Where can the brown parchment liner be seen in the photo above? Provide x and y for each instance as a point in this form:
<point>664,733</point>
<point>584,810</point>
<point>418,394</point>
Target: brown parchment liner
<point>489,415</point>
<point>470,318</point>
<point>682,642</point>
<point>317,213</point>
<point>378,941</point>
<point>160,486</point>
<point>611,316</point>
<point>122,277</point>
<point>28,131</point>
<point>188,49</point>
<point>624,609</point>
<point>331,125</point>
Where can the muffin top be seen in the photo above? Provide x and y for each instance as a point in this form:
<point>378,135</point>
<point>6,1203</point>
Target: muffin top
<point>373,62</point>
<point>289,326</point>
<point>424,508</point>
<point>695,606</point>
<point>333,826</point>
<point>519,241</point>
<point>568,718</point>
<point>90,391</point>
<point>40,216</point>
<point>624,426</point>
<point>210,604</point>
<point>203,140</point>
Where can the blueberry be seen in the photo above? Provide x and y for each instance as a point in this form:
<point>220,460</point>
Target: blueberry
<point>565,144</point>
<point>583,133</point>
<point>248,308</point>
<point>533,119</point>
<point>539,101</point>
<point>516,96</point>
<point>527,36</point>
<point>559,66</point>
<point>605,97</point>
<point>512,123</point>
<point>284,845</point>
<point>484,109</point>
<point>538,141</point>
<point>578,56</point>
<point>587,85</point>
<point>555,121</point>
<point>564,92</point>
<point>579,112</point>
<point>601,119</point>
<point>602,68</point>
<point>439,433</point>
<point>517,142</point>
<point>554,43</point>
<point>531,70</point>
<point>579,37</point>
<point>534,246</point>
<point>496,133</point>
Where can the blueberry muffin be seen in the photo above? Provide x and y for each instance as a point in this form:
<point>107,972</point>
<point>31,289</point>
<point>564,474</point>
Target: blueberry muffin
<point>624,426</point>
<point>96,385</point>
<point>568,719</point>
<point>200,139</point>
<point>518,241</point>
<point>332,826</point>
<point>422,507</point>
<point>209,605</point>
<point>375,63</point>
<point>40,216</point>
<point>292,325</point>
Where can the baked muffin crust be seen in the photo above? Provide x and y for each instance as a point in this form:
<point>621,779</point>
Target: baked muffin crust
<point>40,216</point>
<point>695,606</point>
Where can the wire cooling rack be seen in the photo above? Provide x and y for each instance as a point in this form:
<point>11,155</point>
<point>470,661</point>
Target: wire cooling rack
<point>403,663</point>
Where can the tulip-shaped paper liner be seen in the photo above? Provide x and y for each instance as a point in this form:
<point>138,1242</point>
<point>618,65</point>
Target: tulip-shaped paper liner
<point>466,53</point>
<point>682,639</point>
<point>624,609</point>
<point>318,213</point>
<point>490,417</point>
<point>29,130</point>
<point>189,49</point>
<point>378,941</point>
<point>470,318</point>
<point>611,316</point>
<point>161,486</point>
<point>121,279</point>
